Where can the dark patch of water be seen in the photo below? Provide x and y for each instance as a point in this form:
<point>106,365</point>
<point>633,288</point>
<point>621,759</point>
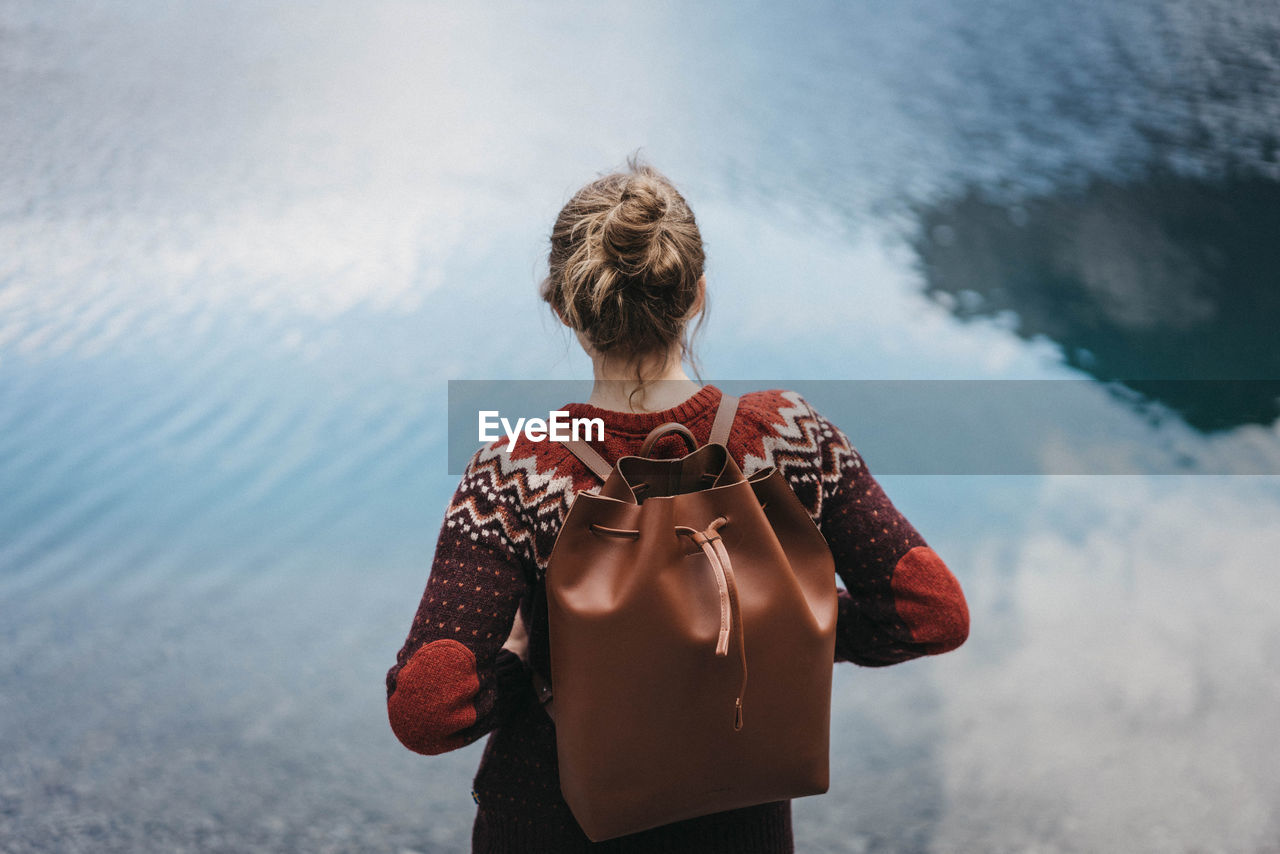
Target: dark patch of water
<point>1143,282</point>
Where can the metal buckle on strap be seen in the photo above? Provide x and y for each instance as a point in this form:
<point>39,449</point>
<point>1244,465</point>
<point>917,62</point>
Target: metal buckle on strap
<point>541,687</point>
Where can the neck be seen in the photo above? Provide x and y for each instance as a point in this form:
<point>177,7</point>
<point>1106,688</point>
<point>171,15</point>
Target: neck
<point>614,384</point>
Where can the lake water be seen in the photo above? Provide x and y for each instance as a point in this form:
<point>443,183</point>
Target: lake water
<point>244,247</point>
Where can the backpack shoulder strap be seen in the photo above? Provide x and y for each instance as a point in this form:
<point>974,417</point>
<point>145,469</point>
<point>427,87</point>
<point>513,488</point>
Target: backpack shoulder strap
<point>589,457</point>
<point>724,420</point>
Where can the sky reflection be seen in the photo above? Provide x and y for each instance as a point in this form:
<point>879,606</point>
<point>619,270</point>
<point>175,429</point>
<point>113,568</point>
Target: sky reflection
<point>244,247</point>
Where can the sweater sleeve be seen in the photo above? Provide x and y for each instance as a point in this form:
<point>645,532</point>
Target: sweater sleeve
<point>900,601</point>
<point>452,681</point>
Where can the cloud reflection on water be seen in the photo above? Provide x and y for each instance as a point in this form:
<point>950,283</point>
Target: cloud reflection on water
<point>242,248</point>
<point>1120,691</point>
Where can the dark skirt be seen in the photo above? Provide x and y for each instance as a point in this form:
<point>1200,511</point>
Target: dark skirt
<point>521,809</point>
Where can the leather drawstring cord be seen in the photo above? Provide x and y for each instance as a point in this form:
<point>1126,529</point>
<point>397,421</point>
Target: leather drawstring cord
<point>730,612</point>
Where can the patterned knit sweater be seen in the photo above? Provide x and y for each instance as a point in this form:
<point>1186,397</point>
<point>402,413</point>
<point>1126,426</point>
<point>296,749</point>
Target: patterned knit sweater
<point>453,682</point>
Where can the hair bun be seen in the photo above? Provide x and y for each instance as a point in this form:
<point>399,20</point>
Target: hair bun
<point>644,199</point>
<point>625,263</point>
<point>630,228</point>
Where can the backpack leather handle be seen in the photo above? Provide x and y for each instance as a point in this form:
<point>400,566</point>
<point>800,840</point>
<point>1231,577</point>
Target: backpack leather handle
<point>663,429</point>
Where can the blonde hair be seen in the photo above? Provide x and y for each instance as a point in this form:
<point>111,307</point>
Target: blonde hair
<point>626,256</point>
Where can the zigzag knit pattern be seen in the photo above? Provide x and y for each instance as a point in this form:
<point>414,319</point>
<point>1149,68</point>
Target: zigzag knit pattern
<point>453,682</point>
<point>523,495</point>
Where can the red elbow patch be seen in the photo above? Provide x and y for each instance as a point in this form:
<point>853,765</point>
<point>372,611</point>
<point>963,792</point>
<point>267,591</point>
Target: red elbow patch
<point>929,600</point>
<point>432,703</point>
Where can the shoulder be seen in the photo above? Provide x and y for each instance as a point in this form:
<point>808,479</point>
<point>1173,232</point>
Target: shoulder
<point>781,428</point>
<point>523,484</point>
<point>787,415</point>
<point>515,473</point>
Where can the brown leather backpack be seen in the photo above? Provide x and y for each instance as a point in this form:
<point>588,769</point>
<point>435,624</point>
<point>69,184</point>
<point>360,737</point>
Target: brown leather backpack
<point>664,590</point>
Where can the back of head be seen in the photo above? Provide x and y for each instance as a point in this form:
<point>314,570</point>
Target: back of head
<point>625,263</point>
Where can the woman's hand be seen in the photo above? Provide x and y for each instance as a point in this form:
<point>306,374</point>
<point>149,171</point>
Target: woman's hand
<point>518,641</point>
